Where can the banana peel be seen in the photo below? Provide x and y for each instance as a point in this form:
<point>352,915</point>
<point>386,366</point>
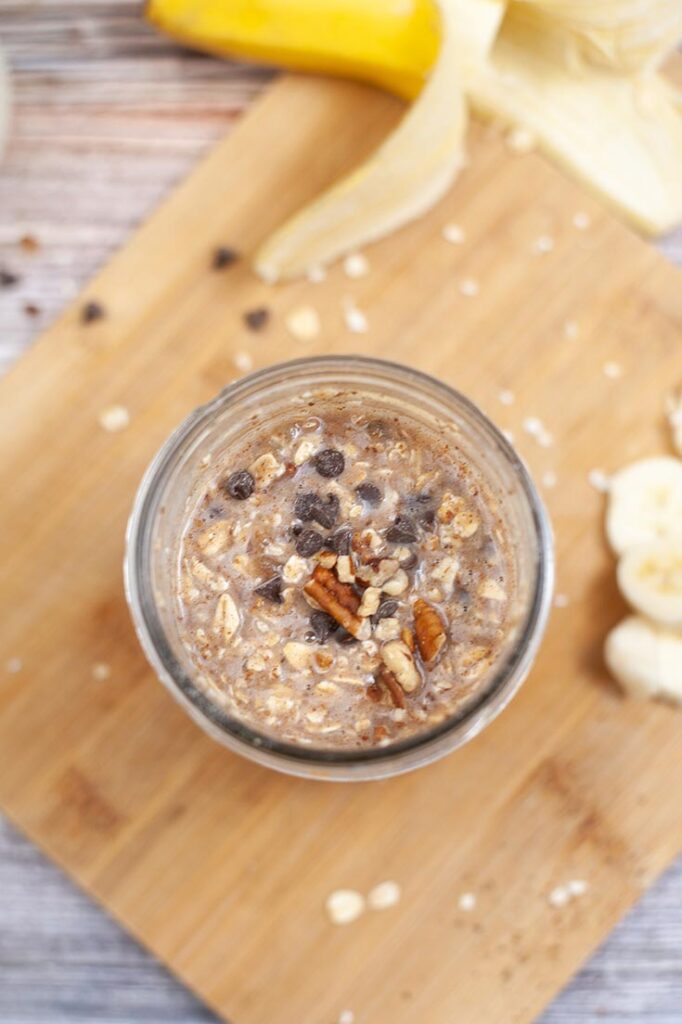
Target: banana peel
<point>580,75</point>
<point>409,172</point>
<point>389,43</point>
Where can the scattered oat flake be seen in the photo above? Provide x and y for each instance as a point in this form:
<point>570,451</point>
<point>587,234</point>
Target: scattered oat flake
<point>356,265</point>
<point>612,370</point>
<point>345,905</point>
<point>563,894</point>
<point>561,601</point>
<point>520,140</point>
<point>14,665</point>
<point>467,901</point>
<point>346,1017</point>
<point>316,274</point>
<point>115,418</point>
<point>581,220</point>
<point>303,323</point>
<point>101,671</point>
<point>384,895</point>
<point>549,479</point>
<point>469,286</point>
<point>506,397</point>
<point>598,479</point>
<point>454,234</point>
<point>243,361</point>
<point>543,244</point>
<point>571,330</point>
<point>356,321</point>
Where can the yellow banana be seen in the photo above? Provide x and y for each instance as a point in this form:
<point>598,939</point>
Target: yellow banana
<point>390,43</point>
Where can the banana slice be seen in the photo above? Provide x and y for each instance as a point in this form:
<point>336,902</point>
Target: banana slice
<point>650,578</point>
<point>645,659</point>
<point>645,503</point>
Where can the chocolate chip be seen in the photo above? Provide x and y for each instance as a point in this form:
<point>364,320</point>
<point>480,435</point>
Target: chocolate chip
<point>370,494</point>
<point>409,563</point>
<point>296,530</point>
<point>403,531</point>
<point>7,278</point>
<point>386,610</point>
<point>310,506</point>
<point>342,636</point>
<point>322,625</point>
<point>257,319</point>
<point>421,507</point>
<point>309,542</point>
<point>340,541</point>
<point>223,257</point>
<point>271,589</point>
<point>327,511</point>
<point>329,462</point>
<point>239,485</point>
<point>92,311</point>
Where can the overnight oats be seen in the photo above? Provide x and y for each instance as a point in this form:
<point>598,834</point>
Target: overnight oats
<point>341,570</point>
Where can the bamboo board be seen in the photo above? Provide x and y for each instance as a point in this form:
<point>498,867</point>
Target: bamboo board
<point>220,867</point>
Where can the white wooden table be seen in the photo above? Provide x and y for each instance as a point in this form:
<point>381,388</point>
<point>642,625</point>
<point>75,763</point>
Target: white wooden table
<point>108,116</point>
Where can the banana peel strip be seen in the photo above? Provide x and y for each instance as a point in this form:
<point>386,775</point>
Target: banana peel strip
<point>406,175</point>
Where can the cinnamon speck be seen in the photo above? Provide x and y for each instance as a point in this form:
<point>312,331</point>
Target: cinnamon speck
<point>29,243</point>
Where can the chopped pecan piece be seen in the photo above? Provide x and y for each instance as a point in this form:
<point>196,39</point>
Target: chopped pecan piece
<point>397,657</point>
<point>385,677</point>
<point>431,635</point>
<point>336,598</point>
<point>407,637</point>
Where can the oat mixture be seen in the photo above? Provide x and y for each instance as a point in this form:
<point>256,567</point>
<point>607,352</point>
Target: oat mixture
<point>344,582</point>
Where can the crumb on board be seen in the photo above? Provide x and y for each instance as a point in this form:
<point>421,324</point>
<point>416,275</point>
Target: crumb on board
<point>469,287</point>
<point>384,895</point>
<point>303,323</point>
<point>354,318</point>
<point>345,905</point>
<point>13,666</point>
<point>598,479</point>
<point>454,234</point>
<point>114,419</point>
<point>101,671</point>
<point>356,265</point>
<point>467,901</point>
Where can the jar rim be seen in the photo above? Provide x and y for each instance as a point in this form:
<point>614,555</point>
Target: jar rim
<point>459,726</point>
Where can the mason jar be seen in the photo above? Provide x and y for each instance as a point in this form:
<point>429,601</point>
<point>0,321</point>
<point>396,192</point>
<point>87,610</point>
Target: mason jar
<point>258,402</point>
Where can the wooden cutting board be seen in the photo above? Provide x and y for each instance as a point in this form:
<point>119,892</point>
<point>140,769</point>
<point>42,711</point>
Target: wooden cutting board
<point>221,867</point>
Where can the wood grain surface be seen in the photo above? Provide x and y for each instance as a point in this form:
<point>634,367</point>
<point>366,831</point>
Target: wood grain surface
<point>646,993</point>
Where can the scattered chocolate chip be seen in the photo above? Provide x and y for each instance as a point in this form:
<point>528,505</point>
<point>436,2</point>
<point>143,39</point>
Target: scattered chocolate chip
<point>322,625</point>
<point>92,311</point>
<point>309,542</point>
<point>239,485</point>
<point>7,278</point>
<point>29,244</point>
<point>223,257</point>
<point>30,309</point>
<point>257,319</point>
<point>370,494</point>
<point>342,636</point>
<point>271,589</point>
<point>329,462</point>
<point>402,532</point>
<point>386,610</point>
<point>340,541</point>
<point>296,529</point>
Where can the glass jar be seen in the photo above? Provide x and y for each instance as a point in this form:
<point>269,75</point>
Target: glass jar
<point>161,505</point>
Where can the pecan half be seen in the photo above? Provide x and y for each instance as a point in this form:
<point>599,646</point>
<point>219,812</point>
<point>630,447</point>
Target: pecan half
<point>385,677</point>
<point>336,598</point>
<point>430,631</point>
